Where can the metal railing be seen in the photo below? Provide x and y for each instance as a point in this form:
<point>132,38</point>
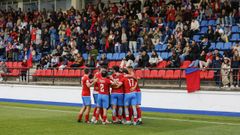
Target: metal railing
<point>150,77</point>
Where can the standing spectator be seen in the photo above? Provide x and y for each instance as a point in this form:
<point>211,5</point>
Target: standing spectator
<point>124,41</point>
<point>3,69</point>
<point>133,40</point>
<point>24,68</point>
<point>194,27</point>
<point>225,72</point>
<point>91,63</point>
<point>216,64</point>
<point>154,59</point>
<point>53,35</point>
<point>235,67</point>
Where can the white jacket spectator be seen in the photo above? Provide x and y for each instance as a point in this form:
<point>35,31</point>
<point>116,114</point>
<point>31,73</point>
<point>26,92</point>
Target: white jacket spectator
<point>195,25</point>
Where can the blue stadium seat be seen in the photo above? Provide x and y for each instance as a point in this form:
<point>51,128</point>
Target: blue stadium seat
<point>163,47</point>
<point>121,56</point>
<point>227,46</point>
<point>204,23</point>
<point>109,56</point>
<point>203,30</point>
<point>220,46</point>
<point>235,29</point>
<point>157,47</point>
<point>221,52</point>
<point>85,56</point>
<point>115,56</point>
<point>234,37</point>
<point>149,54</point>
<point>196,38</point>
<point>164,55</point>
<point>212,22</point>
<point>212,47</point>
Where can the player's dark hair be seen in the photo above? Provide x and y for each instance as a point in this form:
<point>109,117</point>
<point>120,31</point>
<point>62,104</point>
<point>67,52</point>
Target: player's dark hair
<point>125,71</point>
<point>104,73</point>
<point>116,68</point>
<point>86,71</point>
<point>90,76</point>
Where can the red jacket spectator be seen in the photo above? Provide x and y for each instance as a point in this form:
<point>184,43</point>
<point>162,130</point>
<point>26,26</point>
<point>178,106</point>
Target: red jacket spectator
<point>171,12</point>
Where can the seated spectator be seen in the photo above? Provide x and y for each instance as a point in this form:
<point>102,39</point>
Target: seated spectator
<point>174,60</point>
<point>78,61</point>
<point>54,61</point>
<point>143,60</point>
<point>225,72</point>
<point>236,47</point>
<point>91,63</point>
<point>205,59</point>
<point>186,53</point>
<point>103,62</point>
<point>128,60</point>
<point>154,59</point>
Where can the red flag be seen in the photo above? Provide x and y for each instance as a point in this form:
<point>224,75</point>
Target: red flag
<point>192,79</point>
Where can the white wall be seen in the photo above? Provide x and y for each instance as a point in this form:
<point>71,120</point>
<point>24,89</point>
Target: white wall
<point>167,99</point>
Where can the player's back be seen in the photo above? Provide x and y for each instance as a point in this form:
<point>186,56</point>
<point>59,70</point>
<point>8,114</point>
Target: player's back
<point>85,88</point>
<point>128,84</point>
<point>118,78</point>
<point>104,85</point>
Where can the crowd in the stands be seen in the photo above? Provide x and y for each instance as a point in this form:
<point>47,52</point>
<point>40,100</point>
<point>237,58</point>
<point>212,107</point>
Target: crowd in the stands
<point>135,28</point>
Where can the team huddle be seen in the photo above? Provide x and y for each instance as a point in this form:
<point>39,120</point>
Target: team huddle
<point>117,90</point>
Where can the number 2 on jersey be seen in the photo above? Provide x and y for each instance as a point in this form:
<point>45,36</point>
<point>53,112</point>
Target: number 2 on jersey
<point>102,87</point>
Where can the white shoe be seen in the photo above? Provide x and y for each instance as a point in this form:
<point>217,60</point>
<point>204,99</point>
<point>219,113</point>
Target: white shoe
<point>1,79</point>
<point>232,86</point>
<point>128,123</point>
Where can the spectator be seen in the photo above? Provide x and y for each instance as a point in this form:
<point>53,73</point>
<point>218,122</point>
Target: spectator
<point>235,67</point>
<point>225,72</point>
<point>216,64</point>
<point>154,59</point>
<point>24,69</point>
<point>78,61</point>
<point>143,61</point>
<point>103,62</point>
<point>3,69</point>
<point>91,63</point>
<point>194,27</point>
<point>206,59</point>
<point>174,60</point>
<point>210,33</point>
<point>133,40</point>
<point>124,41</point>
<point>128,60</point>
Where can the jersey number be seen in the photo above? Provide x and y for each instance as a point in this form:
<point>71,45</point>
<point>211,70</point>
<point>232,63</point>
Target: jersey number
<point>131,82</point>
<point>102,87</point>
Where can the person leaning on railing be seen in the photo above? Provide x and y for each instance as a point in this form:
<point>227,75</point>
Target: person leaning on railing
<point>3,69</point>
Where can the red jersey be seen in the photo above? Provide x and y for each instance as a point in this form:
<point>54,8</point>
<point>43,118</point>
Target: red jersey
<point>104,85</point>
<point>118,79</point>
<point>137,88</point>
<point>85,88</point>
<point>98,75</point>
<point>128,83</point>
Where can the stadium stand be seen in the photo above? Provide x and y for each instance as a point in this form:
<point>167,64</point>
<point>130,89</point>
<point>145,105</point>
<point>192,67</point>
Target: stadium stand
<point>181,33</point>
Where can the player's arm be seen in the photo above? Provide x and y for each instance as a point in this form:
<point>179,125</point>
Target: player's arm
<point>119,84</point>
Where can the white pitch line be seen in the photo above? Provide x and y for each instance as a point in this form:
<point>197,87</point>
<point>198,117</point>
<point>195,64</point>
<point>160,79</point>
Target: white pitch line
<point>151,118</point>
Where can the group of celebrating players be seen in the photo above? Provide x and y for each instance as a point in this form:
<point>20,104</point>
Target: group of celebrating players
<point>114,89</point>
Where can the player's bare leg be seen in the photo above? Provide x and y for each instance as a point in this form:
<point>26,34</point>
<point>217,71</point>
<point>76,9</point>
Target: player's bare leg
<point>104,116</point>
<point>97,115</point>
<point>128,122</point>
<point>120,113</point>
<point>94,114</point>
<point>114,114</point>
<point>134,115</point>
<point>87,112</point>
<point>82,110</point>
<point>139,114</point>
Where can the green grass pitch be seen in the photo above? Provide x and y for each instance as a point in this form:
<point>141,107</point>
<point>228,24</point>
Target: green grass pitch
<point>26,119</point>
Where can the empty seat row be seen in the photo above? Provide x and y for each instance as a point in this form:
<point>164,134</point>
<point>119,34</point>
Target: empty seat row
<point>58,73</point>
<point>171,74</point>
<point>13,73</point>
